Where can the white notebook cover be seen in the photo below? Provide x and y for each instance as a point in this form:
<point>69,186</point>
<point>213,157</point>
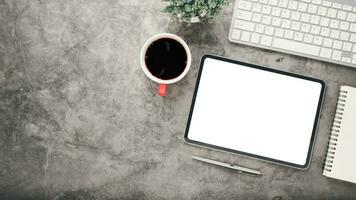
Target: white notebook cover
<point>341,156</point>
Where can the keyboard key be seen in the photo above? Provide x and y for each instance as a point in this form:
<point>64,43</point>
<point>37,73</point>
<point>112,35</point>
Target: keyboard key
<point>318,40</point>
<point>241,14</point>
<point>283,3</point>
<point>347,46</point>
<point>244,25</point>
<point>332,13</point>
<point>295,15</point>
<point>266,40</point>
<point>285,13</point>
<point>315,19</point>
<point>266,9</point>
<point>328,42</point>
<point>297,46</point>
<point>334,23</point>
<point>344,36</point>
<point>337,5</point>
<point>298,36</point>
<point>255,38</point>
<point>353,37</point>
<point>276,11</point>
<point>351,17</point>
<point>236,34</point>
<point>341,15</point>
<point>269,30</point>
<point>318,2</point>
<point>315,30</point>
<point>288,34</point>
<point>344,25</point>
<point>245,36</point>
<point>276,21</point>
<point>296,26</point>
<point>245,5</point>
<point>347,7</point>
<point>335,34</point>
<point>293,5</point>
<point>305,17</point>
<point>322,11</point>
<point>325,32</point>
<point>286,23</point>
<point>305,28</point>
<point>353,27</point>
<point>266,19</point>
<point>325,52</point>
<point>324,21</point>
<point>308,38</point>
<point>279,32</point>
<point>312,9</point>
<point>326,3</point>
<point>303,7</point>
<point>336,55</point>
<point>256,17</point>
<point>256,7</point>
<point>346,54</point>
<point>337,44</point>
<point>273,2</point>
<point>260,28</point>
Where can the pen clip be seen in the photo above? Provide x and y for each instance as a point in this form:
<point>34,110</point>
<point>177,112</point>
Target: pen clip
<point>240,169</point>
<point>248,173</point>
<point>244,172</point>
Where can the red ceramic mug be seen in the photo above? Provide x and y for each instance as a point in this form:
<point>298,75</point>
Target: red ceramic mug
<point>150,70</point>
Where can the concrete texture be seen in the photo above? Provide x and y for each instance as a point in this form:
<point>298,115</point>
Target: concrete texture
<point>79,119</point>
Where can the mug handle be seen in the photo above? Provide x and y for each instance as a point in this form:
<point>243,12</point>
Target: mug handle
<point>162,90</point>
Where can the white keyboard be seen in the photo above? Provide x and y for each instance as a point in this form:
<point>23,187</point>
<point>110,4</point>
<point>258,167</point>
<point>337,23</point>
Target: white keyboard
<point>317,29</point>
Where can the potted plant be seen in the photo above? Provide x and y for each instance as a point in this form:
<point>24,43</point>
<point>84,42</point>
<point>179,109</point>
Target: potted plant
<point>194,11</point>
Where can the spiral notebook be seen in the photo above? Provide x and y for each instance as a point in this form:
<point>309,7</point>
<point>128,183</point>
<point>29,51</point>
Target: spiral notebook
<point>340,159</point>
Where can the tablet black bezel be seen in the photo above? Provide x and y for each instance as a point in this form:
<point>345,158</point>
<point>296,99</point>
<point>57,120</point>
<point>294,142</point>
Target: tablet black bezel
<point>316,119</point>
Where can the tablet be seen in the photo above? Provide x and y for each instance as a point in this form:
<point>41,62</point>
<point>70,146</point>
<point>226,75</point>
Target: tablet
<point>255,111</point>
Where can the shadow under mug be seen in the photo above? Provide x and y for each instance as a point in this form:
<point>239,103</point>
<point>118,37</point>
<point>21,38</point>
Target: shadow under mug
<point>162,88</point>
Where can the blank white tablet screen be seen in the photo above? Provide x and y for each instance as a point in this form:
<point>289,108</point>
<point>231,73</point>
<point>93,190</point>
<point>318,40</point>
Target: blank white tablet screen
<point>255,111</point>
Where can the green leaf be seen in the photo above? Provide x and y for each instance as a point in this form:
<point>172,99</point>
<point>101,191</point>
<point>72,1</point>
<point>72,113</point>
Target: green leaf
<point>186,9</point>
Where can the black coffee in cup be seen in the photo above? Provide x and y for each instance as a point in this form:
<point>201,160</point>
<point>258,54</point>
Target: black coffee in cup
<point>166,58</point>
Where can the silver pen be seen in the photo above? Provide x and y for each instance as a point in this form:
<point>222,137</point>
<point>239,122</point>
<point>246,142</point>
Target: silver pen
<point>240,169</point>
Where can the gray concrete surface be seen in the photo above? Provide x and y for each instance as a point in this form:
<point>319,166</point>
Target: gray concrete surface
<point>79,119</point>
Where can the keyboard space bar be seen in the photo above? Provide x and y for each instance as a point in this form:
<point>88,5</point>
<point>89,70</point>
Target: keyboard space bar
<point>296,46</point>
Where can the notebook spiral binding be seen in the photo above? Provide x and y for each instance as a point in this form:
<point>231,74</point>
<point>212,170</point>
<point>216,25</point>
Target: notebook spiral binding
<point>335,130</point>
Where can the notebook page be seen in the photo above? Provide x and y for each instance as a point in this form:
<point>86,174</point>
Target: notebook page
<point>344,162</point>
